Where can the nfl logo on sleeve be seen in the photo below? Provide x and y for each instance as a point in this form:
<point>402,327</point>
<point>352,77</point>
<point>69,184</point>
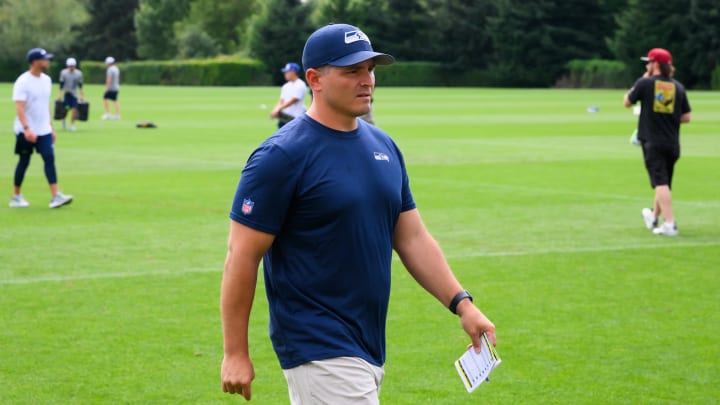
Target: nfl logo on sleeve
<point>247,206</point>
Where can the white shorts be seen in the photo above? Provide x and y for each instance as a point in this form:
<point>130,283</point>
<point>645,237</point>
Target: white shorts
<point>340,380</point>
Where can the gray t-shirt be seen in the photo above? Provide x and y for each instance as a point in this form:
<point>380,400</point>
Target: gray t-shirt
<point>113,73</point>
<point>71,81</point>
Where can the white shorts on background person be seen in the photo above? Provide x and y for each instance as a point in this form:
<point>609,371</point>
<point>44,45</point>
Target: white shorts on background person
<point>340,380</point>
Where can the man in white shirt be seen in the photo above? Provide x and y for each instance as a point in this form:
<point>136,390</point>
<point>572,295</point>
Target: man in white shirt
<point>33,128</point>
<point>292,96</point>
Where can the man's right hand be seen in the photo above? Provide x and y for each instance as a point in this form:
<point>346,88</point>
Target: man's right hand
<point>30,135</point>
<point>237,374</point>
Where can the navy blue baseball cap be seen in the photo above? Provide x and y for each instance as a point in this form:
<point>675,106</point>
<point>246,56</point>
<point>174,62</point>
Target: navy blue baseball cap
<point>340,45</point>
<point>291,66</point>
<point>38,54</point>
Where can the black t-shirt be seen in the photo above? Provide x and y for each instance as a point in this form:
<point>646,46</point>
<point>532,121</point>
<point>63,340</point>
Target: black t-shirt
<point>663,101</point>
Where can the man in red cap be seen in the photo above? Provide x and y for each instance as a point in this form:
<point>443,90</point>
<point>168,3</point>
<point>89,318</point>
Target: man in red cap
<point>664,106</point>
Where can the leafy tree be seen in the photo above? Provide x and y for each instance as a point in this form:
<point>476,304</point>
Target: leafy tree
<point>26,24</point>
<point>409,32</point>
<point>194,42</point>
<point>278,33</point>
<point>650,24</point>
<point>702,48</point>
<point>461,35</point>
<point>335,11</point>
<point>155,27</point>
<point>534,40</point>
<point>109,31</point>
<point>223,20</point>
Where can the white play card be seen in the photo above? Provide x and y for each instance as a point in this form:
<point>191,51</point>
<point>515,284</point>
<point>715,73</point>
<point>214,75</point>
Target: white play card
<point>475,368</point>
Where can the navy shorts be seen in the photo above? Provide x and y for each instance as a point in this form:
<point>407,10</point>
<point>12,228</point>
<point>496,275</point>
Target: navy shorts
<point>111,95</point>
<point>660,163</point>
<point>43,146</point>
<point>70,101</point>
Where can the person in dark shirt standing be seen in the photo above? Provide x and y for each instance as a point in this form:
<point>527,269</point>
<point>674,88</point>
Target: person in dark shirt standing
<point>664,106</point>
<point>323,203</point>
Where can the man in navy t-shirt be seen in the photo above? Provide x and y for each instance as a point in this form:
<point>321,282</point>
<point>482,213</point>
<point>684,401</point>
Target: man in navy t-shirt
<point>324,202</point>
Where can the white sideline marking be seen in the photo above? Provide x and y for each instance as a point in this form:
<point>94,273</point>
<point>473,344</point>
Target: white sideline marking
<point>583,249</point>
<point>550,191</point>
<point>530,252</point>
<point>100,276</point>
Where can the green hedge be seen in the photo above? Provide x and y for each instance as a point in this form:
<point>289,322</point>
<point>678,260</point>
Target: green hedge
<point>596,73</point>
<point>206,72</point>
<point>428,74</point>
<point>10,70</point>
<point>715,81</point>
<point>248,72</point>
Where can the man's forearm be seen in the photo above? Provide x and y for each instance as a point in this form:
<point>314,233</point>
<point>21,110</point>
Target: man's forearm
<point>237,294</point>
<point>426,262</point>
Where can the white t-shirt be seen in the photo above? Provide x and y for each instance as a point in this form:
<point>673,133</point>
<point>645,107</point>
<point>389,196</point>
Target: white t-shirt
<point>295,89</point>
<point>35,91</point>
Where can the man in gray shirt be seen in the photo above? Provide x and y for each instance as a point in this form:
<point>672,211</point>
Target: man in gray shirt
<point>71,81</point>
<point>112,88</point>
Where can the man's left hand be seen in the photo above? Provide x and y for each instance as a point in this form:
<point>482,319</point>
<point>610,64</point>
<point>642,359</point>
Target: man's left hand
<point>475,323</point>
<point>275,112</point>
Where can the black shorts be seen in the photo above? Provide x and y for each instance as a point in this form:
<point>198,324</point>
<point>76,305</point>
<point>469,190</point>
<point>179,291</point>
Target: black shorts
<point>44,145</point>
<point>111,95</point>
<point>660,163</point>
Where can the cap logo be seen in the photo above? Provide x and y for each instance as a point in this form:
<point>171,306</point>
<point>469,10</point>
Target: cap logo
<point>356,35</point>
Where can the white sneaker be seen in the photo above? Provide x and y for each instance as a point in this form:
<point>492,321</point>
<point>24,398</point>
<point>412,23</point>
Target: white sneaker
<point>106,116</point>
<point>115,117</point>
<point>59,200</point>
<point>18,201</point>
<point>72,128</point>
<point>649,218</point>
<point>666,229</point>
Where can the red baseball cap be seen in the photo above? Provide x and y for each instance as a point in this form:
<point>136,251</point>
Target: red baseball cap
<point>659,55</point>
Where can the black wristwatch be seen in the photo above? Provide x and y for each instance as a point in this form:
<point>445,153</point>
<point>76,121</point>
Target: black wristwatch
<point>456,300</point>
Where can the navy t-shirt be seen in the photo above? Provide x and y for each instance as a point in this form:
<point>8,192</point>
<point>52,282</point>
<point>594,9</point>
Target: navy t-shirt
<point>332,199</point>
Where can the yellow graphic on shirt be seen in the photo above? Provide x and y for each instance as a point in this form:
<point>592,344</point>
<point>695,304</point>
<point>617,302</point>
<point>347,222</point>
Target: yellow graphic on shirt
<point>664,102</point>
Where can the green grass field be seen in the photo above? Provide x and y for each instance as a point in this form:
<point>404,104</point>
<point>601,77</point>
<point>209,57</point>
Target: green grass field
<point>535,201</point>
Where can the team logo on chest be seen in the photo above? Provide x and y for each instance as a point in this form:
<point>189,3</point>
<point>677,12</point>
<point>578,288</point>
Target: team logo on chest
<point>247,206</point>
<point>382,156</point>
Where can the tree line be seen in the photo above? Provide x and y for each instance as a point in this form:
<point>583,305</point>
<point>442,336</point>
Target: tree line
<point>516,42</point>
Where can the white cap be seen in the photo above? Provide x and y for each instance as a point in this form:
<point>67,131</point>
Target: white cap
<point>70,62</point>
<point>109,60</point>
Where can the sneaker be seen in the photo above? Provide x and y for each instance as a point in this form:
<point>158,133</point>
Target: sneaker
<point>106,116</point>
<point>666,229</point>
<point>72,128</point>
<point>650,220</point>
<point>59,200</point>
<point>18,201</point>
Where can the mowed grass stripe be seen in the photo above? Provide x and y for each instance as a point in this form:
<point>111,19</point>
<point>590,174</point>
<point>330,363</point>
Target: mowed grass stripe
<point>535,201</point>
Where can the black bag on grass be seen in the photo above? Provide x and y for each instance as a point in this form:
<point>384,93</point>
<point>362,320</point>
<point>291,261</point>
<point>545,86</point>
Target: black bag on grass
<point>83,110</point>
<point>60,111</point>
